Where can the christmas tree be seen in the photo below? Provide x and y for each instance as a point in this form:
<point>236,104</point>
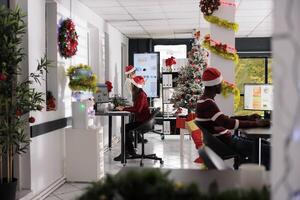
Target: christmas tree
<point>189,86</point>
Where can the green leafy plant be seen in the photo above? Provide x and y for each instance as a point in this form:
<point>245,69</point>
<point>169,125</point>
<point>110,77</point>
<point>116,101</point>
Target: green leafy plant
<point>152,184</point>
<point>17,97</point>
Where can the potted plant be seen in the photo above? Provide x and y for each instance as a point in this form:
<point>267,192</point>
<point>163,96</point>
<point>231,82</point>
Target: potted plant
<point>17,98</point>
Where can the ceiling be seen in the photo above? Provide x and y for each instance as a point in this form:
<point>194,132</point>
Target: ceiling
<point>178,18</point>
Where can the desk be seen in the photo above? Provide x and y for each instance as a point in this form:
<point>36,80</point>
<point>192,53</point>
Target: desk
<point>258,134</point>
<point>226,179</point>
<point>122,114</point>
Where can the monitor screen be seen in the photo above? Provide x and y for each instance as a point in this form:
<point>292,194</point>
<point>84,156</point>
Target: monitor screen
<point>258,97</point>
<point>101,94</point>
<point>147,65</point>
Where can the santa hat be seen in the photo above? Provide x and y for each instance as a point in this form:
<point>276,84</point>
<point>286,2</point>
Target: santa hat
<point>138,81</point>
<point>211,77</point>
<point>129,69</point>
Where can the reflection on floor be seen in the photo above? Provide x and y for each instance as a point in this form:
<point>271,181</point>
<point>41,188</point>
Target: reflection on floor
<point>168,149</point>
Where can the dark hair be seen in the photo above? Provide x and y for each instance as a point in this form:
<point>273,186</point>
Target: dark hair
<point>135,92</point>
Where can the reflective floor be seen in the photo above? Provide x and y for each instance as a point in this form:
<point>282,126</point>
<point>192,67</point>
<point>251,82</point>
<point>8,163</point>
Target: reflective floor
<point>169,149</point>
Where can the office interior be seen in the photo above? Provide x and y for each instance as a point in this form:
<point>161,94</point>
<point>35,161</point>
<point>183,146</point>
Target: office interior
<point>72,145</point>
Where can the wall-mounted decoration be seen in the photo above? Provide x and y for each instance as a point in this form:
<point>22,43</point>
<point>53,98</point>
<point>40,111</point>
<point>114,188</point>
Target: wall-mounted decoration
<point>51,101</point>
<point>82,78</point>
<point>67,39</point>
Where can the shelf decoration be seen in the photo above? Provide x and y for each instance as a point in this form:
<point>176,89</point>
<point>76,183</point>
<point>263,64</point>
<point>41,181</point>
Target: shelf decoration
<point>50,101</point>
<point>223,50</point>
<point>189,87</point>
<point>222,22</point>
<point>82,78</point>
<point>231,89</point>
<point>67,39</point>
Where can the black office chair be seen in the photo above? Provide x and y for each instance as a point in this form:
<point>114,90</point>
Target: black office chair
<point>211,159</point>
<point>220,148</point>
<point>144,128</point>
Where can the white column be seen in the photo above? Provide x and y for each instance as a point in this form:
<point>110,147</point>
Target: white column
<point>225,36</point>
<point>285,174</point>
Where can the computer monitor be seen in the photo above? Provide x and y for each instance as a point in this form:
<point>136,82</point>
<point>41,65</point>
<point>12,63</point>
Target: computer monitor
<point>258,97</point>
<point>101,95</point>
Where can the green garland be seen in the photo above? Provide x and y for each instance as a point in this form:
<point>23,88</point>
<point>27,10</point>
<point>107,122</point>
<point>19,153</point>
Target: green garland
<point>82,82</point>
<point>231,89</point>
<point>222,22</point>
<point>229,56</point>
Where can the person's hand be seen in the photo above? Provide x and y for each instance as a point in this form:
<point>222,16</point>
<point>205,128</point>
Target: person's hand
<point>120,108</point>
<point>254,117</point>
<point>263,123</point>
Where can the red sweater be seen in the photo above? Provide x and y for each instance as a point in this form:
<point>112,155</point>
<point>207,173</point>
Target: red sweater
<point>140,108</point>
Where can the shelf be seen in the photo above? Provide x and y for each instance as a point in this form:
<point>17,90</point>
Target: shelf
<point>170,73</point>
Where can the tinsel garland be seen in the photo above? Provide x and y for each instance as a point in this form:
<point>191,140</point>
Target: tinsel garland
<point>231,89</point>
<point>225,54</point>
<point>221,22</point>
<point>82,78</point>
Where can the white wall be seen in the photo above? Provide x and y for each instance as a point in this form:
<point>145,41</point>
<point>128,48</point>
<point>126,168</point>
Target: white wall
<point>286,120</point>
<point>47,151</point>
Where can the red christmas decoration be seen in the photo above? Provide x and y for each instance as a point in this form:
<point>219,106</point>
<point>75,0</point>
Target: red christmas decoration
<point>207,7</point>
<point>109,86</point>
<point>3,77</point>
<point>18,113</point>
<point>51,105</point>
<point>31,120</point>
<point>67,39</point>
<point>170,61</point>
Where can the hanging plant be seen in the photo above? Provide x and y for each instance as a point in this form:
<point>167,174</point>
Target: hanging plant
<point>207,7</point>
<point>222,22</point>
<point>223,50</point>
<point>82,78</point>
<point>67,39</point>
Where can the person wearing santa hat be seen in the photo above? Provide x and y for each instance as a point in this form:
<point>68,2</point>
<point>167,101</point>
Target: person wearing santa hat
<point>209,116</point>
<point>141,111</point>
<point>130,73</point>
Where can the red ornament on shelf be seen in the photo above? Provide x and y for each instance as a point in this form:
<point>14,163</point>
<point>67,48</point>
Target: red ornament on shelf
<point>31,120</point>
<point>3,77</point>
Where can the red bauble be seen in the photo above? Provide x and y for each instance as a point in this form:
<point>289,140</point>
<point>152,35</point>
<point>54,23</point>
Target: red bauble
<point>18,113</point>
<point>31,120</point>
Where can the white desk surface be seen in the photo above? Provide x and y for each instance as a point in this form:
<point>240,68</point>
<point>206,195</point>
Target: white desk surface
<point>258,131</point>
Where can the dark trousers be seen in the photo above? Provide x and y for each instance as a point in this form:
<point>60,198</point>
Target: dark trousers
<point>129,138</point>
<point>249,147</point>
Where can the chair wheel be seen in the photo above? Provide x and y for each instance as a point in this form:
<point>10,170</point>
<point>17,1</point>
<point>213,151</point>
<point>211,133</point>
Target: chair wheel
<point>141,164</point>
<point>162,137</point>
<point>161,162</point>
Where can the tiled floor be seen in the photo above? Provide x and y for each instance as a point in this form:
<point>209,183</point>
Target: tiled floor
<point>168,149</point>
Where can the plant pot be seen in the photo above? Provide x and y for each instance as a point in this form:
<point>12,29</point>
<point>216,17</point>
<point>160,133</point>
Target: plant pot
<point>8,190</point>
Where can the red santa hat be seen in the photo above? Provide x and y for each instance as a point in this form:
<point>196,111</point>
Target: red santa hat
<point>211,77</point>
<point>138,81</point>
<point>129,69</point>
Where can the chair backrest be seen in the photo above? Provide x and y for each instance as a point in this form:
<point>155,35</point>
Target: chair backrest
<point>220,148</point>
<point>211,159</point>
<point>149,124</point>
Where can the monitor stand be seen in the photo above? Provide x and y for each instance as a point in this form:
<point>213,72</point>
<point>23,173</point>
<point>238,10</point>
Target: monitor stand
<point>267,114</point>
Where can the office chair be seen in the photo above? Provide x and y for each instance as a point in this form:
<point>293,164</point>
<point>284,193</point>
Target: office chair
<point>211,159</point>
<point>144,128</point>
<point>220,148</point>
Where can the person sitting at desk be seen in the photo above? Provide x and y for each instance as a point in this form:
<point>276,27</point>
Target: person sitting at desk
<point>209,116</point>
<point>142,113</point>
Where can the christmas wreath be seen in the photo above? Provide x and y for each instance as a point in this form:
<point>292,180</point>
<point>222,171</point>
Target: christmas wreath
<point>82,78</point>
<point>67,39</point>
<point>221,49</point>
<point>209,6</point>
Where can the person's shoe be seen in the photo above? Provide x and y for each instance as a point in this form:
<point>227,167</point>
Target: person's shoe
<point>140,141</point>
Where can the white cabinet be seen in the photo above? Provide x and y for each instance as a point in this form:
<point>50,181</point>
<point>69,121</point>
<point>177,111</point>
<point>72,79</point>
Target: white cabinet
<point>84,154</point>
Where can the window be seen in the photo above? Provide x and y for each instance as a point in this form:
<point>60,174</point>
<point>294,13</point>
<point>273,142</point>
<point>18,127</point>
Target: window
<point>251,70</point>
